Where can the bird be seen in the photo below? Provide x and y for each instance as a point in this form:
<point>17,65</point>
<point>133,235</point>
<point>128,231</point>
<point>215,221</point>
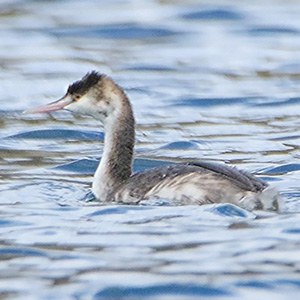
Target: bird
<point>187,183</point>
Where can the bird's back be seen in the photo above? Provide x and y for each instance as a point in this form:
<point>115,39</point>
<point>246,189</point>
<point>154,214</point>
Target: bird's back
<point>195,184</point>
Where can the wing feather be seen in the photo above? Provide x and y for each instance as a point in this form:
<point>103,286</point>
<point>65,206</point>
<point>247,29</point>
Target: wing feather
<point>241,178</point>
<point>142,182</point>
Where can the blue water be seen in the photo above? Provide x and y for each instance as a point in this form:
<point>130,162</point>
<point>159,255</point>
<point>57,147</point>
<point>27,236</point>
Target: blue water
<point>213,81</point>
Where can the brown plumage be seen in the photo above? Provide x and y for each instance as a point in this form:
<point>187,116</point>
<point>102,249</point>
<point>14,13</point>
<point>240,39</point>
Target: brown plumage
<point>99,96</point>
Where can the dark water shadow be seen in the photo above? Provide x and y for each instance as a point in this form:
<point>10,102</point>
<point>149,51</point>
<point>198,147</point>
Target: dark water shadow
<point>114,31</point>
<point>271,30</point>
<point>208,102</point>
<point>286,168</point>
<point>59,134</point>
<point>247,101</point>
<point>168,289</point>
<point>215,14</point>
<point>89,165</point>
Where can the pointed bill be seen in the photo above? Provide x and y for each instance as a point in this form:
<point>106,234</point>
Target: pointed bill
<point>56,105</point>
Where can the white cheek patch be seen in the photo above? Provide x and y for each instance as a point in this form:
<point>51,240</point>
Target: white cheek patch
<point>87,105</point>
<point>83,106</point>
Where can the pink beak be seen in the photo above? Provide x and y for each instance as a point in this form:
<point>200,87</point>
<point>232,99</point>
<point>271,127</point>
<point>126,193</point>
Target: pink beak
<point>56,105</point>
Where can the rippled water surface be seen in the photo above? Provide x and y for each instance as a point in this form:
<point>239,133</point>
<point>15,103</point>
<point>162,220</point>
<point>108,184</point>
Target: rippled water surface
<point>209,80</point>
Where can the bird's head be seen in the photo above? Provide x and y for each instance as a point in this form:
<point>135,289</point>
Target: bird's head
<point>95,95</point>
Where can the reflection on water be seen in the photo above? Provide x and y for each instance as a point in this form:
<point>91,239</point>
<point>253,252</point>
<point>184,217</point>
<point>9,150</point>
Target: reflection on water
<point>216,81</point>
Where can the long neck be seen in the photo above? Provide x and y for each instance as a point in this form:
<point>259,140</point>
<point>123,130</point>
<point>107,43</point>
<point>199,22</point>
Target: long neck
<point>115,165</point>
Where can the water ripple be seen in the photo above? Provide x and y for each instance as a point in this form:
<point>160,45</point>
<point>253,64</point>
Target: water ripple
<point>205,102</point>
<point>59,134</point>
<point>272,30</point>
<point>171,289</point>
<point>181,145</point>
<point>214,14</point>
<point>89,165</point>
<point>11,252</point>
<point>114,31</point>
<point>282,169</point>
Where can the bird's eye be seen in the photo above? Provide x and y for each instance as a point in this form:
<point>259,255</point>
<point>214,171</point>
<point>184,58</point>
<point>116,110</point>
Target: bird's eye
<point>76,97</point>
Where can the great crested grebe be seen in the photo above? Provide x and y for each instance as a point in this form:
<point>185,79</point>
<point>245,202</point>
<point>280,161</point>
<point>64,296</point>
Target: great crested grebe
<point>97,95</point>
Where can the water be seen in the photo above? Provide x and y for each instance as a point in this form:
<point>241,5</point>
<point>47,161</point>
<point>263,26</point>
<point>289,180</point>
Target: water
<point>210,80</point>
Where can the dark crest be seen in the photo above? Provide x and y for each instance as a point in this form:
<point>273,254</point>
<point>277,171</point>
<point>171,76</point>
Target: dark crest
<point>85,83</point>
